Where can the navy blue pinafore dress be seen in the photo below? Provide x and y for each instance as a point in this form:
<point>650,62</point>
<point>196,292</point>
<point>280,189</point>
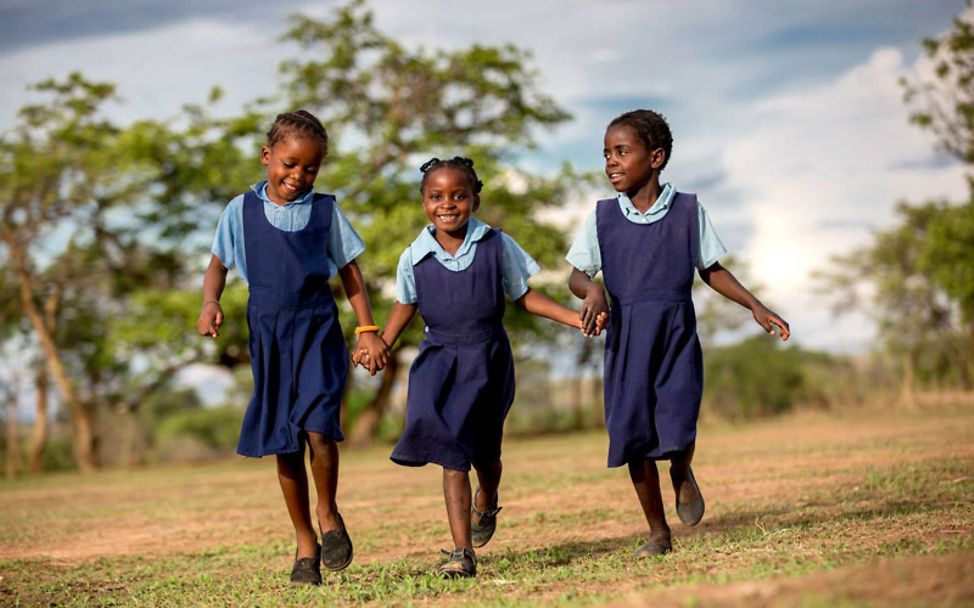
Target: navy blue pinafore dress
<point>653,362</point>
<point>297,350</point>
<point>461,384</point>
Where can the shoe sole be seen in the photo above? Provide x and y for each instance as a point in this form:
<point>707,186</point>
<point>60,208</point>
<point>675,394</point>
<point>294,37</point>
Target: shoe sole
<point>691,514</point>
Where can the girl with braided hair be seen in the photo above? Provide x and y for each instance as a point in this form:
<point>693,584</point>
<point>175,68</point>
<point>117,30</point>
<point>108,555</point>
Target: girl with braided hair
<point>461,384</point>
<point>647,241</point>
<point>287,242</point>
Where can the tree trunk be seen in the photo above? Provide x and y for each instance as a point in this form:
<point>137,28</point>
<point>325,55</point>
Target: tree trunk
<point>368,421</point>
<point>598,408</point>
<point>581,366</point>
<point>80,416</point>
<point>38,436</point>
<point>13,464</point>
<point>908,386</point>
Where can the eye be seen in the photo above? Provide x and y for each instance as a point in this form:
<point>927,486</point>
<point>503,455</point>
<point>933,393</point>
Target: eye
<point>288,164</point>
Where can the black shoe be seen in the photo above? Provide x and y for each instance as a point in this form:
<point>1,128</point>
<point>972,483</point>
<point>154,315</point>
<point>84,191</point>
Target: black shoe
<point>336,547</point>
<point>306,570</point>
<point>690,513</point>
<point>483,523</point>
<point>460,563</point>
<point>654,547</point>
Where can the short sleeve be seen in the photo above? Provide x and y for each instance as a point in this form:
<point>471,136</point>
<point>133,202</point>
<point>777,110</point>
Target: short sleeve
<point>405,279</point>
<point>344,244</point>
<point>518,268</point>
<point>229,233</point>
<point>584,253</point>
<point>711,249</point>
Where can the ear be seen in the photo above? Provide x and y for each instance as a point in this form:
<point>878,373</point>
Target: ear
<point>476,203</point>
<point>657,157</point>
<point>265,155</point>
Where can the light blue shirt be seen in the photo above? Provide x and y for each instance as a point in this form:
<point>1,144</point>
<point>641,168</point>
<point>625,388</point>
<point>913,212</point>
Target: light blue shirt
<point>585,255</point>
<point>517,268</point>
<point>343,246</point>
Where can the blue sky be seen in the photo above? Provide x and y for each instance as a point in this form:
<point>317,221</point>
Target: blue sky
<point>787,116</point>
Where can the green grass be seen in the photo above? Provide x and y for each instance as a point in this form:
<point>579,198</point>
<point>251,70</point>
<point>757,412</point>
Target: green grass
<point>856,512</point>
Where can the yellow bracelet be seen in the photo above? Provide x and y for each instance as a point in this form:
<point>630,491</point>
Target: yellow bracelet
<point>362,329</point>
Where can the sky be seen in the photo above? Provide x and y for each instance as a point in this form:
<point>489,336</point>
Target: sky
<point>788,118</point>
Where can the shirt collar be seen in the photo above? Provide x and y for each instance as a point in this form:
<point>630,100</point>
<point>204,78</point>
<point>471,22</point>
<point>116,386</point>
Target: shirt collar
<point>426,242</point>
<point>260,188</point>
<point>662,202</point>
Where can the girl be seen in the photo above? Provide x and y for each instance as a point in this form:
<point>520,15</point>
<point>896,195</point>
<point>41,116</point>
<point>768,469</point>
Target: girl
<point>461,384</point>
<point>287,242</point>
<point>646,242</point>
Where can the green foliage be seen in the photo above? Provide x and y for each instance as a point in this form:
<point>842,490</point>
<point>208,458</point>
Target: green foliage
<point>400,107</point>
<point>214,428</point>
<point>948,255</point>
<point>946,103</point>
<point>759,377</point>
<point>895,281</point>
<point>916,279</point>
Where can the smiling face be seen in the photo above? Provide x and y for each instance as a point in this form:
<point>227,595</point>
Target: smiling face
<point>449,200</point>
<point>292,166</point>
<point>629,165</point>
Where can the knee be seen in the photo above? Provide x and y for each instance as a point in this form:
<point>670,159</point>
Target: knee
<point>319,442</point>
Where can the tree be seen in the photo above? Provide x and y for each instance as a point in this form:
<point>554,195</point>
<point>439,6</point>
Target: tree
<point>920,273</point>
<point>93,214</point>
<point>944,104</point>
<point>388,108</point>
<point>917,321</point>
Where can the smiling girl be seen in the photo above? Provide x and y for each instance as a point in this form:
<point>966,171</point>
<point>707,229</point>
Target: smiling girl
<point>287,242</point>
<point>461,384</point>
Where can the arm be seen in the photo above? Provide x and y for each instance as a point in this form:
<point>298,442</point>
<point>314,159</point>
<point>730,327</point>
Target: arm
<point>358,297</point>
<point>726,284</point>
<point>594,305</point>
<point>211,316</point>
<point>399,319</point>
<point>539,304</point>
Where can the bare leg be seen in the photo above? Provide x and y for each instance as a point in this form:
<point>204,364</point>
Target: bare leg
<point>456,492</point>
<point>645,480</point>
<point>489,478</point>
<point>680,475</point>
<point>324,471</point>
<point>294,485</point>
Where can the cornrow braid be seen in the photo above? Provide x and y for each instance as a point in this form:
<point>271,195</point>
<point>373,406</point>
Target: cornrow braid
<point>300,123</point>
<point>461,163</point>
<point>651,127</point>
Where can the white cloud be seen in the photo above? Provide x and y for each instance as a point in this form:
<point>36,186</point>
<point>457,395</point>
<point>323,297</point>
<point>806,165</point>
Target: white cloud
<point>157,71</point>
<point>820,168</point>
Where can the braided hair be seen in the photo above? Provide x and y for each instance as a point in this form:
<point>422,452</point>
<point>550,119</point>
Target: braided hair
<point>462,164</point>
<point>651,127</point>
<point>300,123</point>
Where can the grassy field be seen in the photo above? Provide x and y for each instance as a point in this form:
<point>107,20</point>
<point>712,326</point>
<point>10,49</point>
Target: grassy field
<point>852,508</point>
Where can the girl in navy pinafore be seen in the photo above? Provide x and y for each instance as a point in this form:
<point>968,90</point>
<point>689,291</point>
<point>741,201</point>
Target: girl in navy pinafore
<point>287,242</point>
<point>647,242</point>
<point>461,384</point>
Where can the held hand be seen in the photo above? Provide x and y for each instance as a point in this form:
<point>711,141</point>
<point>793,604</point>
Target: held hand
<point>211,318</point>
<point>768,320</point>
<point>594,306</point>
<point>371,352</point>
<point>600,324</point>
